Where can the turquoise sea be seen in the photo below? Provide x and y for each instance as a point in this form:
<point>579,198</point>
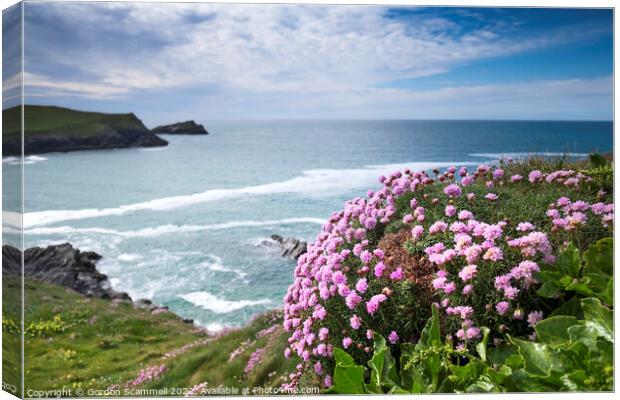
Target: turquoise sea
<point>183,225</point>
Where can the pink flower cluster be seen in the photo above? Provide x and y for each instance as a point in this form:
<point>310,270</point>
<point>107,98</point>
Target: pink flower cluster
<point>569,216</point>
<point>341,266</point>
<point>254,359</point>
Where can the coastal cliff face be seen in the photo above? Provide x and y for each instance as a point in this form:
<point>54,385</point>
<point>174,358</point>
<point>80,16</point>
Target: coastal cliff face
<point>181,128</point>
<point>57,129</point>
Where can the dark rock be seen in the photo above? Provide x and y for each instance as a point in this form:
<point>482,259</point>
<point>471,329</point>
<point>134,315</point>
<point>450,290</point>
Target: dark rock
<point>61,265</point>
<point>290,247</point>
<point>181,128</point>
<point>66,143</point>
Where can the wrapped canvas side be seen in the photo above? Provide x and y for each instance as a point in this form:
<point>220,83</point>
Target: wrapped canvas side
<point>12,201</point>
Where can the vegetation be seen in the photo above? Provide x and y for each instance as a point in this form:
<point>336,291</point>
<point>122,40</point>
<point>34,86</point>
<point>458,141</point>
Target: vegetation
<point>51,120</point>
<point>94,344</point>
<point>511,265</point>
<point>493,280</point>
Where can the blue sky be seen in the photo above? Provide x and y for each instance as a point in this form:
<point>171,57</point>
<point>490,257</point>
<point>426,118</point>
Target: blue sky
<point>167,62</point>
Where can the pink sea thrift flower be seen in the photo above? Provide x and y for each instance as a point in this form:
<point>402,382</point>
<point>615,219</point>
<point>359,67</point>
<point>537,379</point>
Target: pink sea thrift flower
<point>452,190</point>
<point>397,274</point>
<point>393,338</point>
<point>491,196</point>
<point>361,285</point>
<point>516,178</point>
<point>346,342</point>
<point>372,305</point>
<point>379,269</point>
<point>417,231</point>
<point>464,215</point>
<point>535,176</point>
<point>534,317</point>
<point>525,226</point>
<point>467,180</point>
<point>352,299</point>
<point>355,322</point>
<point>502,307</point>
<point>450,211</point>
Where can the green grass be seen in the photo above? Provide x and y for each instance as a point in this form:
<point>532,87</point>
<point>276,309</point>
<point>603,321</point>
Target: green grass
<point>51,120</point>
<point>77,342</point>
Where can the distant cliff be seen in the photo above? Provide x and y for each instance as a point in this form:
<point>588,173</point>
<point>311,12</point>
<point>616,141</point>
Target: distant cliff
<point>56,129</point>
<point>181,128</point>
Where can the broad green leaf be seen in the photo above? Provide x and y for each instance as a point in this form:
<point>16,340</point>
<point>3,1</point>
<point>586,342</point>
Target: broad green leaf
<point>585,333</point>
<point>342,357</point>
<point>599,257</point>
<point>481,347</point>
<point>376,364</point>
<point>499,355</point>
<point>553,331</point>
<point>599,315</point>
<point>580,286</point>
<point>568,261</point>
<point>571,307</point>
<point>483,386</point>
<point>574,381</point>
<point>535,356</point>
<point>548,289</point>
<point>349,379</point>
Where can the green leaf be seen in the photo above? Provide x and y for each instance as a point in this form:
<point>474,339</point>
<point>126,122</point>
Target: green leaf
<point>535,356</point>
<point>376,364</point>
<point>342,357</point>
<point>499,355</point>
<point>349,379</point>
<point>600,316</point>
<point>548,289</point>
<point>568,261</point>
<point>575,380</point>
<point>481,347</point>
<point>553,331</point>
<point>583,334</point>
<point>599,257</point>
<point>431,335</point>
<point>571,307</point>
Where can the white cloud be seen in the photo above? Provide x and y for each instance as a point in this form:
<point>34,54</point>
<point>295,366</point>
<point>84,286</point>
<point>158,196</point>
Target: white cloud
<point>305,57</point>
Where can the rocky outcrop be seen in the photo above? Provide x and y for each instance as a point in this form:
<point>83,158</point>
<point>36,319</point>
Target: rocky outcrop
<point>67,130</point>
<point>290,247</point>
<point>69,267</point>
<point>181,128</point>
<point>112,139</point>
<point>61,265</point>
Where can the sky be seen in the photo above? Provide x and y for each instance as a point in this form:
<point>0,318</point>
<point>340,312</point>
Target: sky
<point>168,62</point>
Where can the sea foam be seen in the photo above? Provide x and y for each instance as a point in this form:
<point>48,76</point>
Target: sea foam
<point>171,229</point>
<point>518,155</point>
<point>28,160</point>
<point>316,182</point>
<point>213,303</point>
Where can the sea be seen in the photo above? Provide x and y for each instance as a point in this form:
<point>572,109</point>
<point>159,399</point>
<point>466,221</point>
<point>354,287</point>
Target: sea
<point>186,225</point>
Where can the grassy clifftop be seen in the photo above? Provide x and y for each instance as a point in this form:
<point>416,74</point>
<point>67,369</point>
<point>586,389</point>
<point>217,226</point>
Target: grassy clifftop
<point>50,120</point>
<point>74,342</point>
